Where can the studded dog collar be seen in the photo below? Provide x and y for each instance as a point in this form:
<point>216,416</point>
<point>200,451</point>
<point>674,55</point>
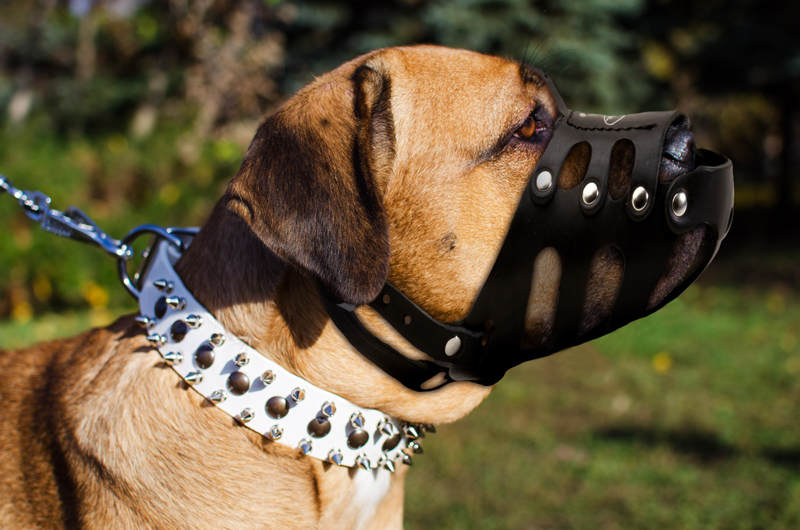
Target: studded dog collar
<point>257,392</point>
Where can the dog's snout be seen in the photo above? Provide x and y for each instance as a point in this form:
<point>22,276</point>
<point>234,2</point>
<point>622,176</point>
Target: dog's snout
<point>677,157</point>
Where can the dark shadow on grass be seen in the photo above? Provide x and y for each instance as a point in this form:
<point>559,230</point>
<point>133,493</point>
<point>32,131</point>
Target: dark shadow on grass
<point>703,445</point>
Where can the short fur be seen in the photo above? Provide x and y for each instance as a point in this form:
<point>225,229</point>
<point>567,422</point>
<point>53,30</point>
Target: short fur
<point>401,164</point>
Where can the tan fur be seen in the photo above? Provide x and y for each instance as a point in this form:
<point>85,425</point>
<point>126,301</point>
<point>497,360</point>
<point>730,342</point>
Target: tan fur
<point>98,433</point>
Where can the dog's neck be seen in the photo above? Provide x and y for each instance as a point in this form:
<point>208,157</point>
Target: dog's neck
<point>276,310</point>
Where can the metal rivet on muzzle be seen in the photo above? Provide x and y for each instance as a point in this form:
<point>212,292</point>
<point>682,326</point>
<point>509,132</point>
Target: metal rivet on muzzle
<point>639,198</point>
<point>590,193</point>
<point>544,180</point>
<point>680,203</point>
<point>452,346</point>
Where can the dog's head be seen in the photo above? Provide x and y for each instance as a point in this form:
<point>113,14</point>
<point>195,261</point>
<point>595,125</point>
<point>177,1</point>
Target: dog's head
<point>408,165</point>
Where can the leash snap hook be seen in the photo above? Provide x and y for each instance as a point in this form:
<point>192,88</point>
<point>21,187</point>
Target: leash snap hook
<point>177,237</point>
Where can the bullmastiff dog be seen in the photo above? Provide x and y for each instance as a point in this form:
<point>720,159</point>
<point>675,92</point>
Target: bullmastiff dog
<point>407,168</point>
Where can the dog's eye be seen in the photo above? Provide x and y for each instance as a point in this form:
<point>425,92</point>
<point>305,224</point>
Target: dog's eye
<point>527,130</point>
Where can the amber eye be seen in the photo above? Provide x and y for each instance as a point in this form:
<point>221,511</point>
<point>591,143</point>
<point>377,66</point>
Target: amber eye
<point>527,130</point>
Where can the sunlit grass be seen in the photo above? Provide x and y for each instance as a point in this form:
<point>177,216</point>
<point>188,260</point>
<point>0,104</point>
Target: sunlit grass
<point>52,326</point>
<point>686,419</point>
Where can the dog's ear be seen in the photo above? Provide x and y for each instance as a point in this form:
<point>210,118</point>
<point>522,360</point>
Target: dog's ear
<point>310,182</point>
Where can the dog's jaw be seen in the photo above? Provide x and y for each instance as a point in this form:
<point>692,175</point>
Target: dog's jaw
<point>277,311</point>
<point>449,192</point>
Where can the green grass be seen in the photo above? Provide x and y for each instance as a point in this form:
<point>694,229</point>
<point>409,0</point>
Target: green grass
<point>53,326</point>
<point>686,419</point>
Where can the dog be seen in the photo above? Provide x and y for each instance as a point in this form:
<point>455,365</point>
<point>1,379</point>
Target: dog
<point>404,165</point>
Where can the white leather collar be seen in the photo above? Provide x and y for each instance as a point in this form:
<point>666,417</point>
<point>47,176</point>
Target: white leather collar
<point>255,390</point>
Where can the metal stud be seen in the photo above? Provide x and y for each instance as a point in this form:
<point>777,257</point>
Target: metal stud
<point>328,409</point>
<point>363,462</point>
<point>176,302</point>
<point>357,420</point>
<point>407,460</point>
<point>268,377</point>
<point>391,442</point>
<point>218,396</point>
<point>305,445</point>
<point>590,193</point>
<point>639,198</point>
<point>277,407</point>
<point>298,395</point>
<point>357,439</point>
<point>161,307</point>
<point>275,432</point>
<point>145,321</point>
<point>172,357</point>
<point>386,427</point>
<point>411,431</point>
<point>241,359</point>
<point>335,457</point>
<point>194,321</point>
<point>246,415</point>
<point>415,447</point>
<point>452,346</point>
<point>204,356</point>
<point>156,339</point>
<point>238,383</point>
<point>386,463</point>
<point>680,203</point>
<point>178,331</point>
<point>319,427</point>
<point>164,286</point>
<point>217,339</point>
<point>431,428</point>
<point>194,377</point>
<point>544,180</point>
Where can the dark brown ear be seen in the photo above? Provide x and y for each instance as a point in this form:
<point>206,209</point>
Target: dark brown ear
<point>310,182</point>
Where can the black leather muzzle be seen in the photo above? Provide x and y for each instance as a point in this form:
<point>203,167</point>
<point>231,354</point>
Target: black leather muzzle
<point>643,226</point>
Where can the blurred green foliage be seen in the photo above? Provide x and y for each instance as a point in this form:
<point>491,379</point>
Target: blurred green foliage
<point>139,111</point>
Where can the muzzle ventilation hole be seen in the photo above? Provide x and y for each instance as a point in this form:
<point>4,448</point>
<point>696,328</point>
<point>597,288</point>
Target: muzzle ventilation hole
<point>575,166</point>
<point>687,254</point>
<point>605,279</point>
<point>543,298</point>
<point>620,172</point>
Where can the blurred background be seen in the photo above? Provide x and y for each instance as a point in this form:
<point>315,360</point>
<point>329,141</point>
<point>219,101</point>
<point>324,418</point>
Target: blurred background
<point>139,111</point>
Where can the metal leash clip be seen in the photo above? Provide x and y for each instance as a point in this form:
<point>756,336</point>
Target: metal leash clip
<point>72,223</point>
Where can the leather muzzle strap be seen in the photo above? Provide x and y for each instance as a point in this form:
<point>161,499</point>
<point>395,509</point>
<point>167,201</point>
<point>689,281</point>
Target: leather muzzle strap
<point>576,223</point>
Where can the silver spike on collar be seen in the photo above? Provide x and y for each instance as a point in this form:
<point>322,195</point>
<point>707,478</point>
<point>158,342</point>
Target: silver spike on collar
<point>257,392</point>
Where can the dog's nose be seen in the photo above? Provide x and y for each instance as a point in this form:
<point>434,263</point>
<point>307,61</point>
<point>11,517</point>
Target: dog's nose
<point>678,155</point>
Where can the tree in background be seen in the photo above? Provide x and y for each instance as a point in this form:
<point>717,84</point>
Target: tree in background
<point>735,66</point>
<point>139,110</point>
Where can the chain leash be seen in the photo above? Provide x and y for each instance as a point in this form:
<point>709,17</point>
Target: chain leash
<point>72,223</point>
